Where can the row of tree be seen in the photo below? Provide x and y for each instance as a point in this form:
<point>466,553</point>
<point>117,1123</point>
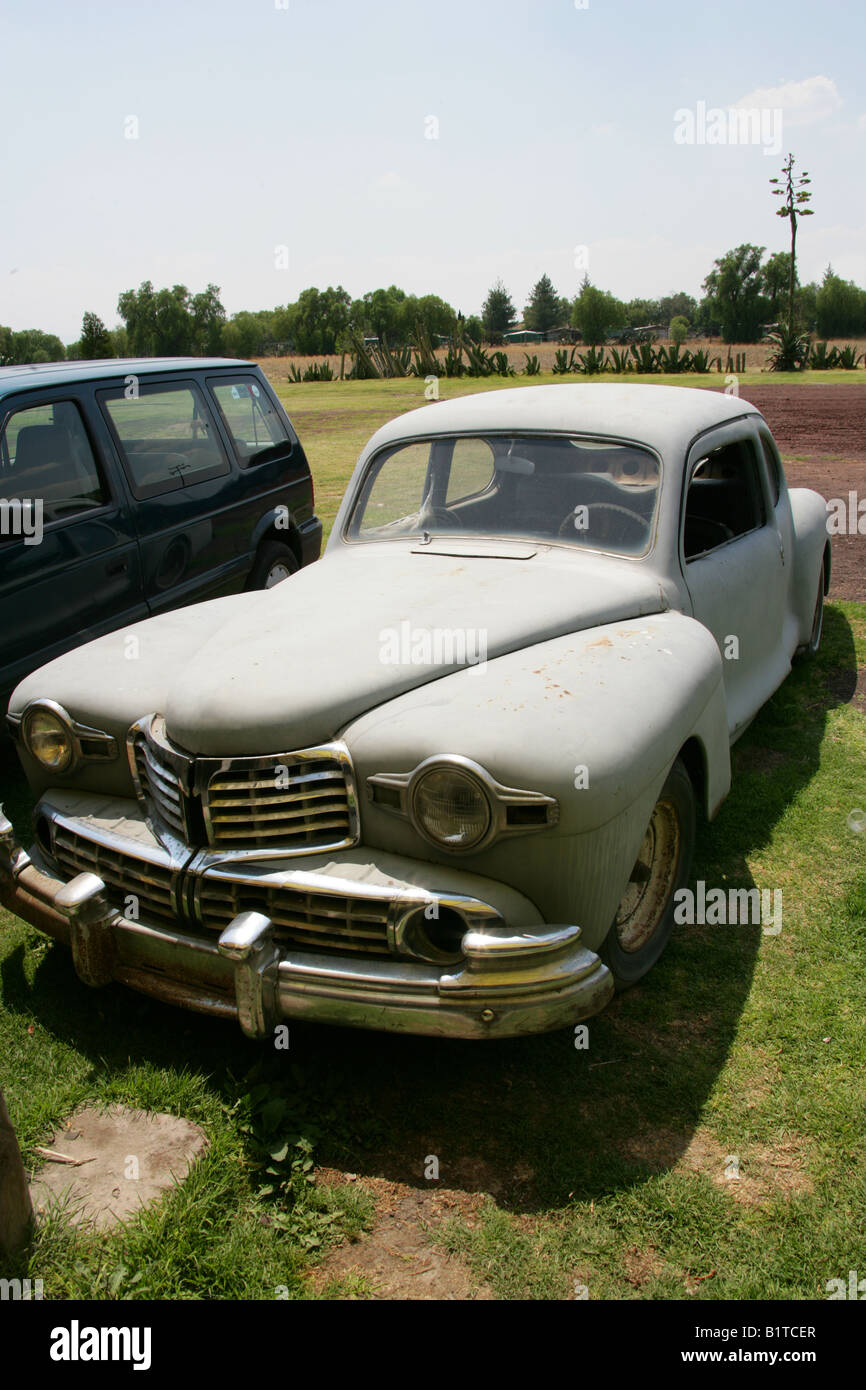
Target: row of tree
<point>743,293</point>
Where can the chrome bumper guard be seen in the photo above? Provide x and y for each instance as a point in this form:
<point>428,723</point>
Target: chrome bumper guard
<point>509,982</point>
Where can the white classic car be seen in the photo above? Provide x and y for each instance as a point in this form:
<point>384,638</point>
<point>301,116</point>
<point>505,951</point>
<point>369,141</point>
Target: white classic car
<point>445,780</point>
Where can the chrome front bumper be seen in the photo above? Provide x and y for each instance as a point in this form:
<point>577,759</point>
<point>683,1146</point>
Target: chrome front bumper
<point>511,980</point>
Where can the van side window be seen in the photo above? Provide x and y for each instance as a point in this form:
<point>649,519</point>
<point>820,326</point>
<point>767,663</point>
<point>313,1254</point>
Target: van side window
<point>257,432</point>
<point>167,437</point>
<point>724,499</point>
<point>46,463</point>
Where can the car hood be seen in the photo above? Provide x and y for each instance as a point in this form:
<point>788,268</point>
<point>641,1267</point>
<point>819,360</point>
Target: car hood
<point>294,665</point>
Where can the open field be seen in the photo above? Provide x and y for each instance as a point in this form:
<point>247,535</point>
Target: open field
<point>711,1141</point>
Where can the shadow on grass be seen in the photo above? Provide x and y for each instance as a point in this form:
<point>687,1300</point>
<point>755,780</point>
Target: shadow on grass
<point>533,1121</point>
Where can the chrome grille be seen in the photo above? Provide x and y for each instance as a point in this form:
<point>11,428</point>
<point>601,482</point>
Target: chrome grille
<point>321,921</point>
<point>299,801</point>
<point>292,803</point>
<point>160,785</point>
<point>122,874</point>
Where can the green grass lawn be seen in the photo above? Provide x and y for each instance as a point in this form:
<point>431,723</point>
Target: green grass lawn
<point>611,1167</point>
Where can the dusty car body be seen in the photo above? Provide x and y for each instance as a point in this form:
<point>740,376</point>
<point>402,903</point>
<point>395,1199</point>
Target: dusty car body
<point>444,781</point>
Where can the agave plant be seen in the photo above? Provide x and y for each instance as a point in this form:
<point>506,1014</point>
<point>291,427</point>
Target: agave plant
<point>645,357</point>
<point>479,361</point>
<point>822,357</point>
<point>533,366</point>
<point>789,349</point>
<point>703,363</point>
<point>620,360</point>
<point>500,364</point>
<point>317,371</point>
<point>673,359</point>
<point>294,372</point>
<point>592,362</point>
<point>425,361</point>
<point>848,357</point>
<point>563,362</point>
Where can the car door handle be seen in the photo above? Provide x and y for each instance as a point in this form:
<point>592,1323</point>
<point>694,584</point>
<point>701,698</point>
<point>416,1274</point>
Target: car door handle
<point>117,567</point>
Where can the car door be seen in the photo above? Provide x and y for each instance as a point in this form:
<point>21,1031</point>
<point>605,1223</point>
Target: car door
<point>69,561</point>
<point>735,565</point>
<point>186,489</point>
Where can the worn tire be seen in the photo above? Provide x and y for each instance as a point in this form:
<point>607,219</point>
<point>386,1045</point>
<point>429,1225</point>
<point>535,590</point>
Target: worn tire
<point>645,916</point>
<point>814,642</point>
<point>275,562</point>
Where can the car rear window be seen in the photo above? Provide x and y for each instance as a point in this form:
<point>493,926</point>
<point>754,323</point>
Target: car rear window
<point>167,437</point>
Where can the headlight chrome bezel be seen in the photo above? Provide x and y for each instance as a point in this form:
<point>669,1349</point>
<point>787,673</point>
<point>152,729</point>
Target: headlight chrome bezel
<point>85,743</point>
<point>513,810</point>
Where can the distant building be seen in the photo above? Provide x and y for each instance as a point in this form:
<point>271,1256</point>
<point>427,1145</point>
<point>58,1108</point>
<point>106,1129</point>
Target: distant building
<point>563,334</point>
<point>523,335</point>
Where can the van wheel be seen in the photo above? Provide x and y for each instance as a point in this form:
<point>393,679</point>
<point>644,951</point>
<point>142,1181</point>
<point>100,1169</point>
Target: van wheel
<point>645,916</point>
<point>274,563</point>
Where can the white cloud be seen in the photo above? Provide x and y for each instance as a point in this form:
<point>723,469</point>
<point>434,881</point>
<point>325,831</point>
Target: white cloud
<point>803,103</point>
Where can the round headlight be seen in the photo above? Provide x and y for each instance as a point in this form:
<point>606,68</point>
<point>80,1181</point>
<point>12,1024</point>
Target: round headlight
<point>49,739</point>
<point>450,807</point>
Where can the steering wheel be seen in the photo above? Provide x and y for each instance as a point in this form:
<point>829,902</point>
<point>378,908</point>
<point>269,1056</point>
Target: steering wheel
<point>635,524</point>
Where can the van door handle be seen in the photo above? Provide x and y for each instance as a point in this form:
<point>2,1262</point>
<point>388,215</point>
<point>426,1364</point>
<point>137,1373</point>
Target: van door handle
<point>118,567</point>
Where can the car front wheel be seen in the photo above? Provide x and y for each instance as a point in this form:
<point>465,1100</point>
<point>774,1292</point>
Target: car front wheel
<point>645,916</point>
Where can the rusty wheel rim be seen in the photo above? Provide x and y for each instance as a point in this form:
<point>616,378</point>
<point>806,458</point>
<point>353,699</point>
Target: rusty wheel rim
<point>645,900</point>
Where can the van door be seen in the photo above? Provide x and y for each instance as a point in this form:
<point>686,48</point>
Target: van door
<point>186,490</point>
<point>69,561</point>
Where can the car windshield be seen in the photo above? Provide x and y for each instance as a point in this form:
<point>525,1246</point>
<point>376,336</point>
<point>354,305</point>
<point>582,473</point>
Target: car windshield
<point>552,488</point>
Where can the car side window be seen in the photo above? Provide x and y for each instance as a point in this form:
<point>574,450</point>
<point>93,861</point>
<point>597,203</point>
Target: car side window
<point>724,499</point>
<point>472,469</point>
<point>774,467</point>
<point>47,467</point>
<point>257,432</point>
<point>395,492</point>
<point>167,437</point>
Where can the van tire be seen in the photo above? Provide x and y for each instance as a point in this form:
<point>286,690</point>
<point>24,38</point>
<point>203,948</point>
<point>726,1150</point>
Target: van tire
<point>275,562</point>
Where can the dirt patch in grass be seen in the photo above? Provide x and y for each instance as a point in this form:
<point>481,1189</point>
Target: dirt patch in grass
<point>104,1166</point>
<point>641,1265</point>
<point>751,1177</point>
<point>396,1259</point>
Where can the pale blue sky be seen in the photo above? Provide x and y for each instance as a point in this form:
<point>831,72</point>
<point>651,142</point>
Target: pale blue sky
<point>305,127</point>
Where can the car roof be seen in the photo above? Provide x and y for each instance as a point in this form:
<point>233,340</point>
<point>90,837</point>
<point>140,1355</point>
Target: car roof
<point>34,374</point>
<point>665,417</point>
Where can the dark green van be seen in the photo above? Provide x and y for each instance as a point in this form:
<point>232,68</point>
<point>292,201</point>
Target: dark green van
<point>129,487</point>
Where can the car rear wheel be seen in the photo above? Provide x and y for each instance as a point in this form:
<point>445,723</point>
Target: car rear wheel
<point>645,916</point>
<point>274,563</point>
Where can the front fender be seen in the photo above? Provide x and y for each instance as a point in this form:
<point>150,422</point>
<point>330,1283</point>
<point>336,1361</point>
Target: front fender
<point>594,719</point>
